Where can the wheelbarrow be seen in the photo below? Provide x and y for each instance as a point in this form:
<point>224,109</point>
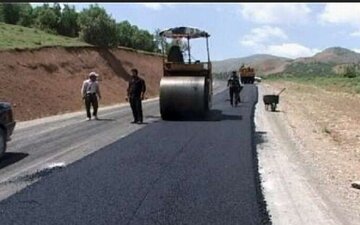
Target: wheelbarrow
<point>272,100</point>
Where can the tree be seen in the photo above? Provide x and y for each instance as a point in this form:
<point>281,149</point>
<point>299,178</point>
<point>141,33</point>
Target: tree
<point>97,27</point>
<point>47,20</point>
<point>68,25</point>
<point>57,10</point>
<point>350,71</point>
<point>144,40</point>
<point>132,37</point>
<point>26,17</point>
<point>11,12</point>
<point>125,33</point>
<point>1,12</point>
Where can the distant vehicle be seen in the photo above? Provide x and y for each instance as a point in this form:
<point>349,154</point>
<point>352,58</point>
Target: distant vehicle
<point>258,79</point>
<point>247,74</point>
<point>7,125</point>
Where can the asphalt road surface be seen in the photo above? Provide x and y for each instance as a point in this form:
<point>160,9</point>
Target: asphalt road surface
<point>163,172</point>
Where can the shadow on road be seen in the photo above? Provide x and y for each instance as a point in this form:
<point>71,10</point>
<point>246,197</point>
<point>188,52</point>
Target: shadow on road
<point>10,158</point>
<point>242,101</point>
<point>212,115</point>
<point>277,111</point>
<point>153,117</point>
<point>106,119</point>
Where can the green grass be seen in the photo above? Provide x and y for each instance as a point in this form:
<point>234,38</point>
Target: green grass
<point>318,68</point>
<point>13,36</point>
<point>331,82</point>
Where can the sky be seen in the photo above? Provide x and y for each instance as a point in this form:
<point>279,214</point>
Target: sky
<point>289,30</point>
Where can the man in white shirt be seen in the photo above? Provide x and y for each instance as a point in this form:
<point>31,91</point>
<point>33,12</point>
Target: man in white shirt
<point>90,91</point>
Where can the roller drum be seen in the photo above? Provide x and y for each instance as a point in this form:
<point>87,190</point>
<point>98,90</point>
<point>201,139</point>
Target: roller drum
<point>183,96</point>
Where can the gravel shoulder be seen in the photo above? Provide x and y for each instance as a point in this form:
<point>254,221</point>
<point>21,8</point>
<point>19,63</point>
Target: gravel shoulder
<point>309,155</point>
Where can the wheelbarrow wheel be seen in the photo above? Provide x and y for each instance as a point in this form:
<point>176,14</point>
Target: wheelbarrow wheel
<point>273,107</point>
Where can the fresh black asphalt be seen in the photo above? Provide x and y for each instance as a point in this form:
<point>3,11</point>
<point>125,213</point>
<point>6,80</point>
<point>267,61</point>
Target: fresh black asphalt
<point>169,172</point>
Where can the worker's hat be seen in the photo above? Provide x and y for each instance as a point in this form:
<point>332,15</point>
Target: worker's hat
<point>93,74</point>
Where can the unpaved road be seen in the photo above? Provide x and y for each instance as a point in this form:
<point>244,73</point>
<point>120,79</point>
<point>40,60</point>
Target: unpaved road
<point>289,191</point>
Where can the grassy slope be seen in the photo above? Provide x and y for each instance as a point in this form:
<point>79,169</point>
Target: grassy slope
<point>318,68</point>
<point>13,36</point>
<point>332,82</point>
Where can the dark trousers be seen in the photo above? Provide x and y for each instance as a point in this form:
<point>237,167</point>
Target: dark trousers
<point>233,92</point>
<point>136,107</point>
<point>91,99</point>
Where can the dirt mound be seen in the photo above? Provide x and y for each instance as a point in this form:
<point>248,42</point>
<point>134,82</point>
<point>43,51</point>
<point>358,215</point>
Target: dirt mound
<point>47,81</point>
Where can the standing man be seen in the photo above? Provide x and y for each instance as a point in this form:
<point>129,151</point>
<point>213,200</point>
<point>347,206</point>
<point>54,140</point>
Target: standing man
<point>234,88</point>
<point>135,93</point>
<point>90,91</point>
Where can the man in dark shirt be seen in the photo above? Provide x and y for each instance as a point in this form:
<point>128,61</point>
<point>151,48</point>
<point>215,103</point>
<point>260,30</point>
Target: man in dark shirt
<point>235,87</point>
<point>135,93</point>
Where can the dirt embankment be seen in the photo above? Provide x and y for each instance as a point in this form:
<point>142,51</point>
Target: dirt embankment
<point>47,81</point>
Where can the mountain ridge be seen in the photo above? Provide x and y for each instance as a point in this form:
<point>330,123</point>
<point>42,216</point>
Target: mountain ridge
<point>328,61</point>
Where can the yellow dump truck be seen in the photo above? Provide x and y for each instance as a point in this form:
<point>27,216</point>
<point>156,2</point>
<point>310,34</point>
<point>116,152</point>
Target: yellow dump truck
<point>247,74</point>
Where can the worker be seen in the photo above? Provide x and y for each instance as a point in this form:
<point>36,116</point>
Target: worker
<point>235,87</point>
<point>175,54</point>
<point>135,93</point>
<point>90,91</point>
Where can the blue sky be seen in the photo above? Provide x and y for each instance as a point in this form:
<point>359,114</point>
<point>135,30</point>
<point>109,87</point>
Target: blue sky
<point>241,29</point>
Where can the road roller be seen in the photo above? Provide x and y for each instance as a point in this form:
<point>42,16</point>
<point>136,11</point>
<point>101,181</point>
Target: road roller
<point>186,85</point>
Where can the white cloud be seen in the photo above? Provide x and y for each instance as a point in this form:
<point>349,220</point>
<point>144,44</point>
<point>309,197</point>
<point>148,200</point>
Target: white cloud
<point>157,6</point>
<point>341,13</point>
<point>270,40</point>
<point>154,6</point>
<point>355,33</point>
<point>357,50</point>
<point>264,34</point>
<point>290,50</point>
<point>275,13</point>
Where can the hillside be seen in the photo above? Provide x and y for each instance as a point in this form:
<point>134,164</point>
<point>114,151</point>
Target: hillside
<point>328,62</point>
<point>335,55</point>
<point>264,64</point>
<point>47,81</point>
<point>14,36</point>
<point>41,74</point>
